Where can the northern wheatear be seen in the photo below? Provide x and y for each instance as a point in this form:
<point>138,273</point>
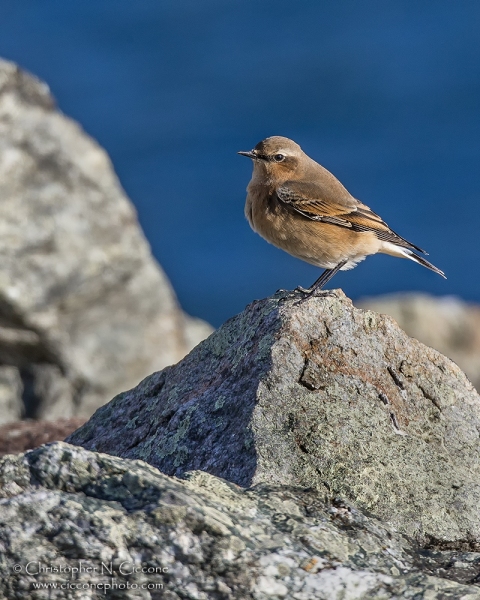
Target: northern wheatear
<point>300,207</point>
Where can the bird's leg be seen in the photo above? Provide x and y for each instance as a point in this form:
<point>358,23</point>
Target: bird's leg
<point>321,281</point>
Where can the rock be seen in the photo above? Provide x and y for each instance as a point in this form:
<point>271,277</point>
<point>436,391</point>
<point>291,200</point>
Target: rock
<point>317,394</point>
<point>447,324</point>
<point>11,390</point>
<point>86,521</point>
<point>23,435</point>
<point>85,311</point>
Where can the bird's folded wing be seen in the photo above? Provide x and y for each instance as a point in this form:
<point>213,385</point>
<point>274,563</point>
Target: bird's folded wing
<point>364,219</point>
<point>314,203</point>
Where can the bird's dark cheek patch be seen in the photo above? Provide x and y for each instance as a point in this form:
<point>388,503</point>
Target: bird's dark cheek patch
<point>289,163</point>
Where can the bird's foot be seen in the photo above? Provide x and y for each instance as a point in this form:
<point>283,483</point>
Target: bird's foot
<point>309,293</point>
<point>305,293</point>
<point>303,290</point>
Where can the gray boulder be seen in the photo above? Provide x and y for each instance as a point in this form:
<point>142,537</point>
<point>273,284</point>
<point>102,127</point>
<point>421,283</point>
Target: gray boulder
<point>314,394</point>
<point>82,525</point>
<point>85,311</point>
<point>447,324</point>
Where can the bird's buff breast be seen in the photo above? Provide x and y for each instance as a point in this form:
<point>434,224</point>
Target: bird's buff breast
<point>320,244</point>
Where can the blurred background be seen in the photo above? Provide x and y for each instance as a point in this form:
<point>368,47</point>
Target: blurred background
<point>384,94</point>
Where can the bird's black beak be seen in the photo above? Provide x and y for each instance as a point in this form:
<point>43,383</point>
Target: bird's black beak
<point>250,154</point>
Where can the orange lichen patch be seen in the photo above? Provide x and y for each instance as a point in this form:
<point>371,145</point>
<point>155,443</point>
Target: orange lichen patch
<point>310,564</point>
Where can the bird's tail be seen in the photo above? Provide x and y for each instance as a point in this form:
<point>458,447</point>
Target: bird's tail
<point>394,250</point>
<point>421,261</point>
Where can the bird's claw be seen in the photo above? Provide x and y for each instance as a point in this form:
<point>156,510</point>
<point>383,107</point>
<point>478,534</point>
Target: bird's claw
<point>313,294</point>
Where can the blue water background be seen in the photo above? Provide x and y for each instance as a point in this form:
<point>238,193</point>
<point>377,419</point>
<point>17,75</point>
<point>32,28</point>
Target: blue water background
<point>385,94</point>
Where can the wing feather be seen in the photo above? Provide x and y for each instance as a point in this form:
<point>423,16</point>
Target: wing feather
<point>312,202</point>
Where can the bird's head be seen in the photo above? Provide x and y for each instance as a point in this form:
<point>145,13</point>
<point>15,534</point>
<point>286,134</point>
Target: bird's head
<point>276,158</point>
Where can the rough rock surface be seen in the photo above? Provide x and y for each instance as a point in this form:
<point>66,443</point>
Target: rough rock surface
<point>84,309</point>
<point>314,394</point>
<point>447,324</point>
<point>68,514</point>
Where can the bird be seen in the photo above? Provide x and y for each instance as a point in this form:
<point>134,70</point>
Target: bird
<point>298,206</point>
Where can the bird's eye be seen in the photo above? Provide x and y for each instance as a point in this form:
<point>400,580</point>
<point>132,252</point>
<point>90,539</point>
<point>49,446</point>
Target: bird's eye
<point>278,157</point>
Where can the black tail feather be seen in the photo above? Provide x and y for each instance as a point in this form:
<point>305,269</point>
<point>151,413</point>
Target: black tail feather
<point>422,261</point>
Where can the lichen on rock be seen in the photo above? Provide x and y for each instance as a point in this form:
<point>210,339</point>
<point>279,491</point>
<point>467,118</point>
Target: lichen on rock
<point>314,394</point>
<point>70,516</point>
